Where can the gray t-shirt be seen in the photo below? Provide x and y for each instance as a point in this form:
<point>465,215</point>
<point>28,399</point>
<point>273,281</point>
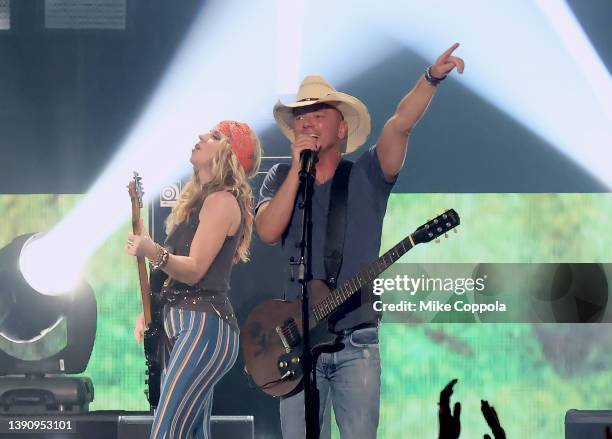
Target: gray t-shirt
<point>367,203</point>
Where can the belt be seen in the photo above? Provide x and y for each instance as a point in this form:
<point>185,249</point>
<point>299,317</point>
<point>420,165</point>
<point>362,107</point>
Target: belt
<point>193,295</point>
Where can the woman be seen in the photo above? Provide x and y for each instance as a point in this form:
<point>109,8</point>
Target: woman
<point>209,230</point>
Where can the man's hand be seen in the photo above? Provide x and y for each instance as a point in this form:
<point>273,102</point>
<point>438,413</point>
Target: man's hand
<point>446,63</point>
<point>450,424</point>
<point>302,142</point>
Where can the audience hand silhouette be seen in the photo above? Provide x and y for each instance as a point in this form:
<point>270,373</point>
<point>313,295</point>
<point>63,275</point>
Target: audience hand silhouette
<point>492,419</point>
<point>450,424</point>
<point>608,433</point>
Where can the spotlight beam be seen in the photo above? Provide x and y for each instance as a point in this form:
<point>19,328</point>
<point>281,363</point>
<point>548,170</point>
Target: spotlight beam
<point>216,74</point>
<point>524,60</point>
<point>223,70</point>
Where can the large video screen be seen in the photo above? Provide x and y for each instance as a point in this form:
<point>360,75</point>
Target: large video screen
<point>531,371</point>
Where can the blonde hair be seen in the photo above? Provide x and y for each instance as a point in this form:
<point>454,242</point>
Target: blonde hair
<point>227,175</point>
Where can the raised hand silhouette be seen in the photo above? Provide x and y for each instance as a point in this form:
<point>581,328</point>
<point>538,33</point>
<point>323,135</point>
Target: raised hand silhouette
<point>490,415</point>
<point>449,423</point>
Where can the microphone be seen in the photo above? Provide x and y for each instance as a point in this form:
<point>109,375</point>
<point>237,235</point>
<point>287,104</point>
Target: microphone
<point>308,159</point>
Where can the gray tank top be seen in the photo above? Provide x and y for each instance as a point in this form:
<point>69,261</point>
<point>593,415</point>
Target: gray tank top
<point>211,293</point>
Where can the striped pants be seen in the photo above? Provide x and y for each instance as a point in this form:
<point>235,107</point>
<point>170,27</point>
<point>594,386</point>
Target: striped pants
<point>202,349</point>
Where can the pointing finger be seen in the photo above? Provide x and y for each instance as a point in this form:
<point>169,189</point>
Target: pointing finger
<point>448,51</point>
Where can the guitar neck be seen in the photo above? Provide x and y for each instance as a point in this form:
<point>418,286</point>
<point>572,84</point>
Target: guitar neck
<point>143,278</point>
<point>341,294</point>
<point>136,192</point>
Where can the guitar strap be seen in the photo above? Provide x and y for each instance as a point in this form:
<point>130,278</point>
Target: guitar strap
<point>336,222</point>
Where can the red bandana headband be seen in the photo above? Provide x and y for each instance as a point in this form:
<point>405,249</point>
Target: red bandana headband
<point>241,141</point>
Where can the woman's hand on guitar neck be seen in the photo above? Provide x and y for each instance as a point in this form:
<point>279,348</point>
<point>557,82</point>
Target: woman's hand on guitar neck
<point>140,245</point>
<point>139,328</point>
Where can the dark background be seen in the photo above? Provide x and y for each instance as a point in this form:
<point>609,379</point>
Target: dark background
<point>68,98</point>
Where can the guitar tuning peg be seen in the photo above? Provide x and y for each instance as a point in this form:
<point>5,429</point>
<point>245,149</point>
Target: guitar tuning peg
<point>446,235</point>
<point>455,231</point>
<point>438,241</point>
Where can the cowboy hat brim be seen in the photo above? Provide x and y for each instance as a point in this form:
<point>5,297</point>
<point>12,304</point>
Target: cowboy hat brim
<point>353,110</point>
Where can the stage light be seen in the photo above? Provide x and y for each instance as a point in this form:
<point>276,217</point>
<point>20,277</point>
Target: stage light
<point>19,299</point>
<point>42,335</point>
<point>47,274</point>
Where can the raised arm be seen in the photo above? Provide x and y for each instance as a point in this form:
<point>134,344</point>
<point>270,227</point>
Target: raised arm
<point>393,141</point>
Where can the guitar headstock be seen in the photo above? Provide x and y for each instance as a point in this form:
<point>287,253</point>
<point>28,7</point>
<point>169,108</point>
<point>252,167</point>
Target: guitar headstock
<point>436,227</point>
<point>136,190</point>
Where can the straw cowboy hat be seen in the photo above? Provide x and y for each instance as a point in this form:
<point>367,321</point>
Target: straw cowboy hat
<point>315,89</point>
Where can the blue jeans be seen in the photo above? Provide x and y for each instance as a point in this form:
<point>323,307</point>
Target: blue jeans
<point>351,379</point>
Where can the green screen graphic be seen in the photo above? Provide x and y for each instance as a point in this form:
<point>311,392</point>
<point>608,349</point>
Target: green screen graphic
<point>531,373</point>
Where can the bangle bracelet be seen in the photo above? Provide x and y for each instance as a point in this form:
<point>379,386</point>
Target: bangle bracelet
<point>157,256</point>
<point>161,258</point>
<point>432,79</point>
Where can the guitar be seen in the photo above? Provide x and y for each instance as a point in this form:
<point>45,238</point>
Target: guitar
<point>271,338</point>
<point>152,314</point>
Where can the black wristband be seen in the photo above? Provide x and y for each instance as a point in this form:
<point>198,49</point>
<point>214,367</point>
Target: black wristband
<point>432,79</point>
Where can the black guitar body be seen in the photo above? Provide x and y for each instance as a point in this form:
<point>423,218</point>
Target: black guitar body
<point>155,342</point>
<point>154,352</point>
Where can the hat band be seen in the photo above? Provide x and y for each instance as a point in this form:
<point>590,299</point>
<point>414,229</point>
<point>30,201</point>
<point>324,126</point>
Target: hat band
<point>308,99</point>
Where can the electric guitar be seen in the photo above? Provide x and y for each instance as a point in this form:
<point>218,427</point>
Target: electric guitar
<point>271,338</point>
<point>152,313</point>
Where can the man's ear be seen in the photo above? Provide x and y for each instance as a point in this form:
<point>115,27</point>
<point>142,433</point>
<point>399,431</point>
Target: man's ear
<point>342,129</point>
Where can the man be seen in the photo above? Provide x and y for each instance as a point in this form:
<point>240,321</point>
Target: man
<point>331,123</point>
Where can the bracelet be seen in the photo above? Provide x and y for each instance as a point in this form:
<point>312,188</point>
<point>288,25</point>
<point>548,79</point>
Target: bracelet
<point>432,79</point>
<point>161,258</point>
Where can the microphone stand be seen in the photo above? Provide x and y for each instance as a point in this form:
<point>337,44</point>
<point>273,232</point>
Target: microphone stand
<point>311,393</point>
